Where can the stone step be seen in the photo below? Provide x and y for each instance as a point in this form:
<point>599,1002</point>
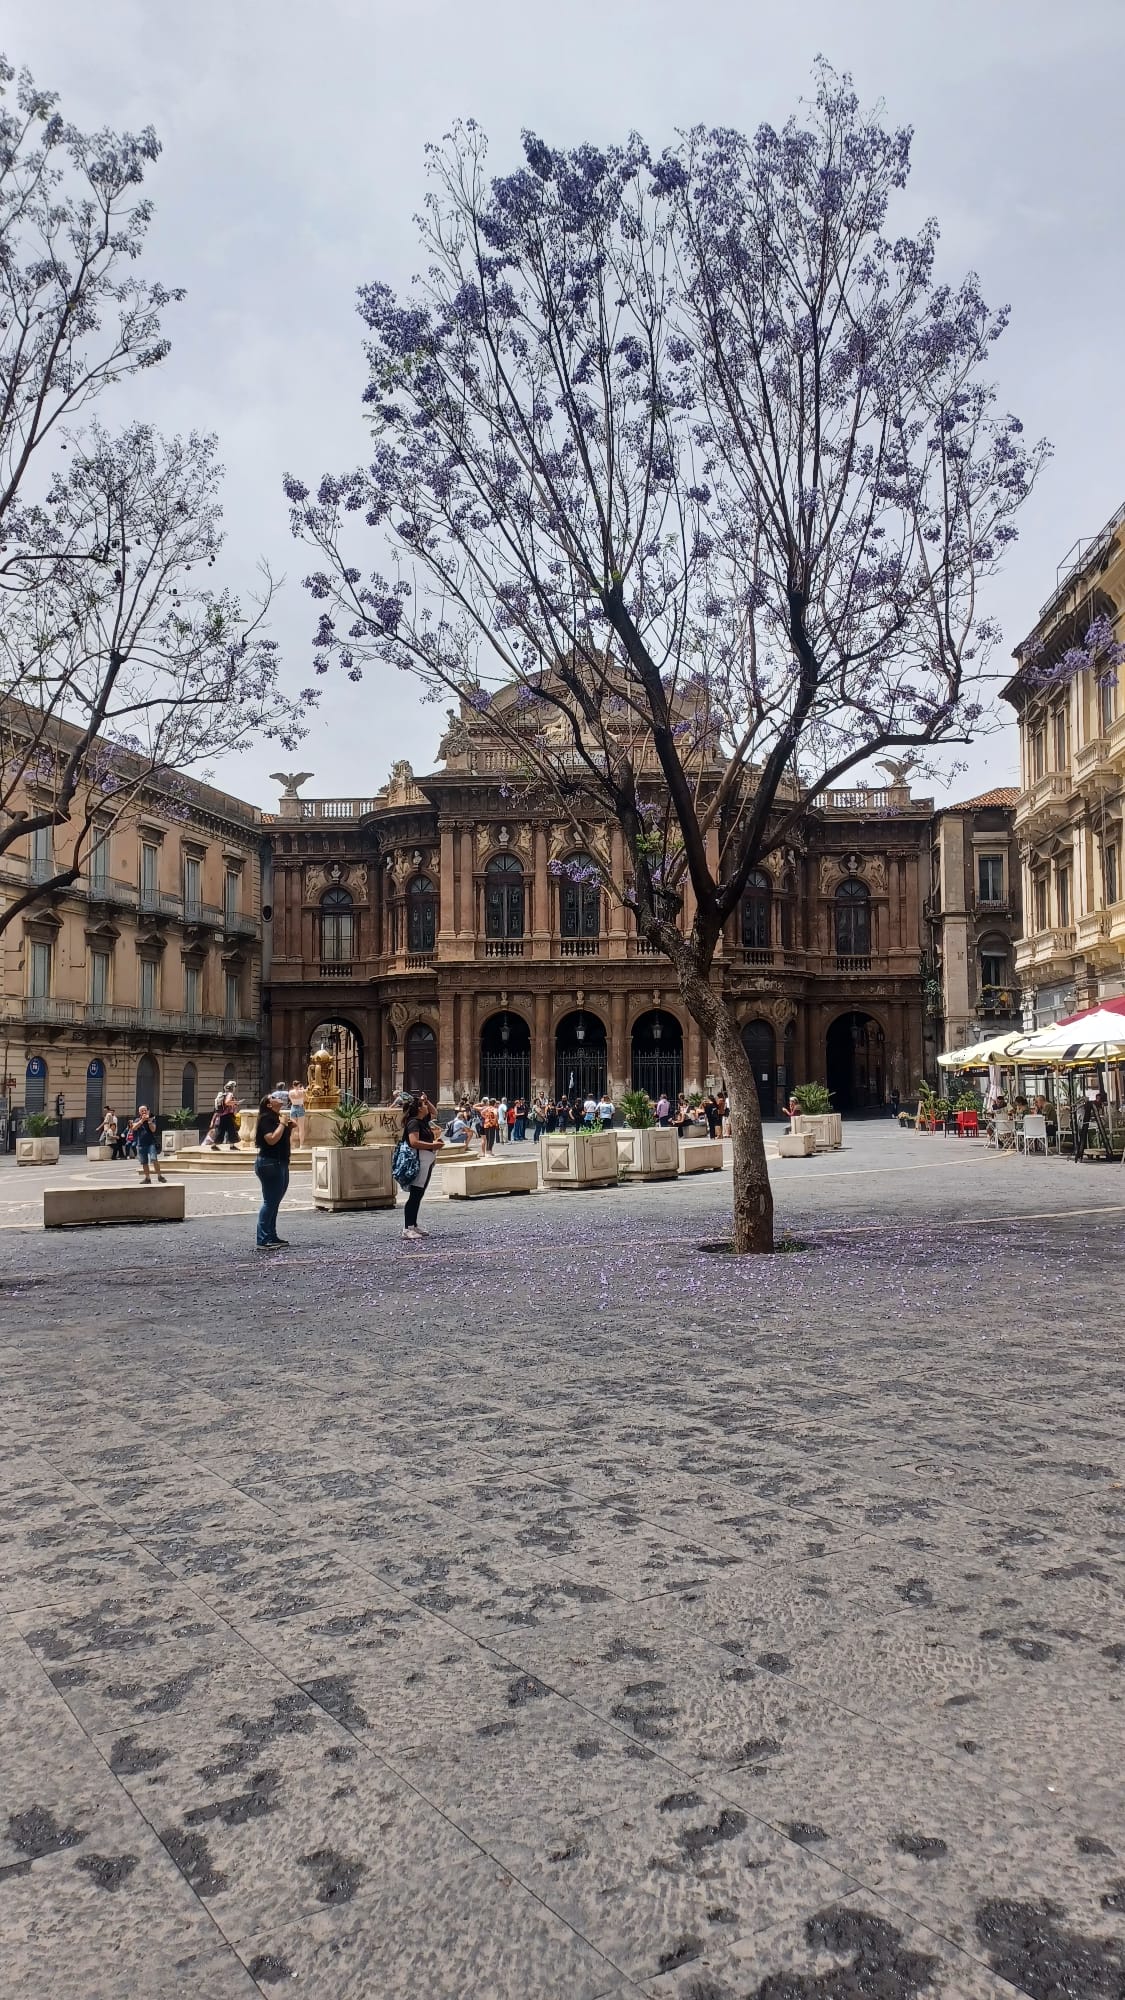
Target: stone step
<point>210,1160</point>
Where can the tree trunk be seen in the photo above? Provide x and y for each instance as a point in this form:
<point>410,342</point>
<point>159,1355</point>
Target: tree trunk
<point>753,1197</point>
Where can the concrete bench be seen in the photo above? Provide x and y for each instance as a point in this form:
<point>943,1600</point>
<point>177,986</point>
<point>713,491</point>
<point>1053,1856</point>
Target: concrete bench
<point>83,1207</point>
<point>467,1180</point>
<point>796,1145</point>
<point>701,1156</point>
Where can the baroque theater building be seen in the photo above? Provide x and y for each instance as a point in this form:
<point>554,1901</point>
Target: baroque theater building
<point>436,935</point>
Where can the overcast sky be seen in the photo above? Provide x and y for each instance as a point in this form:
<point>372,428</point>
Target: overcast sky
<point>293,138</point>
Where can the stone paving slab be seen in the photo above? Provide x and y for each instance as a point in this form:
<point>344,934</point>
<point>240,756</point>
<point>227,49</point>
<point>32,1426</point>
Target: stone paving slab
<point>561,1611</point>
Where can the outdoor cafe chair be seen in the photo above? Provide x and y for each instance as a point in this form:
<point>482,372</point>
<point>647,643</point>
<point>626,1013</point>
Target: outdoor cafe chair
<point>1002,1131</point>
<point>1032,1133</point>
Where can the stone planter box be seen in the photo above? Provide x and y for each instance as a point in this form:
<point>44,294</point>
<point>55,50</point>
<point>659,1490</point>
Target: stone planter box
<point>827,1128</point>
<point>701,1156</point>
<point>99,1152</point>
<point>36,1152</point>
<point>652,1155</point>
<point>796,1145</point>
<point>578,1159</point>
<point>352,1177</point>
<point>178,1138</point>
<point>88,1207</point>
<point>468,1180</point>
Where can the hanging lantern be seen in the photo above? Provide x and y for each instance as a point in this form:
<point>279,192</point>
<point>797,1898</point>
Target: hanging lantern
<point>657,1029</point>
<point>580,1030</point>
<point>505,1030</point>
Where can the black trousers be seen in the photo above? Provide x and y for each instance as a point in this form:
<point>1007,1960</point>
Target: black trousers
<point>413,1204</point>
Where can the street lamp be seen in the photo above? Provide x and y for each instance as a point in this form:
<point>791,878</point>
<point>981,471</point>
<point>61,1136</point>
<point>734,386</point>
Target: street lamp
<point>580,1030</point>
<point>657,1029</point>
<point>505,1030</point>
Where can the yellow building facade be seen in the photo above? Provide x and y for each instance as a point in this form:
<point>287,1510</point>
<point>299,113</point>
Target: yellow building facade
<point>1068,817</point>
<point>141,980</point>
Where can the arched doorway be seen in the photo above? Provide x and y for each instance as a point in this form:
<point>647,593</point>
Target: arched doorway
<point>346,1048</point>
<point>420,1060</point>
<point>148,1083</point>
<point>760,1043</point>
<point>580,1056</point>
<point>505,1057</point>
<point>658,1054</point>
<point>95,1097</point>
<point>854,1063</point>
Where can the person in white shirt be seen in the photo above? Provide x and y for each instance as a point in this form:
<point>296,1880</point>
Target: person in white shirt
<point>590,1110</point>
<point>502,1122</point>
<point>605,1112</point>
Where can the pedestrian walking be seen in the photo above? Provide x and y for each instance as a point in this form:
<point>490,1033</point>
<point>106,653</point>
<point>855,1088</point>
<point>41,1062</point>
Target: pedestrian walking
<point>272,1137</point>
<point>663,1108</point>
<point>490,1122</point>
<point>226,1104</point>
<point>297,1107</point>
<point>519,1119</point>
<point>148,1143</point>
<point>502,1121</point>
<point>418,1133</point>
<point>111,1135</point>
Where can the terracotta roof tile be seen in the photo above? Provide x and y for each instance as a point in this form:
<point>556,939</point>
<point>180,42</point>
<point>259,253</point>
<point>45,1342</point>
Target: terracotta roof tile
<point>1002,795</point>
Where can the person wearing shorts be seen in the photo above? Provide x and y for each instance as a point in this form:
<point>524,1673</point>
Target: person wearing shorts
<point>148,1143</point>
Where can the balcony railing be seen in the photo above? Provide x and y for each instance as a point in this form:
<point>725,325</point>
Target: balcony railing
<point>853,964</point>
<point>1044,798</point>
<point>41,870</point>
<point>419,961</point>
<point>201,913</point>
<point>165,1021</point>
<point>42,1012</point>
<point>240,922</point>
<point>335,969</point>
<point>579,947</point>
<point>158,903</point>
<point>646,949</point>
<point>503,948</point>
<point>755,954</point>
<point>336,808</point>
<point>998,1000</point>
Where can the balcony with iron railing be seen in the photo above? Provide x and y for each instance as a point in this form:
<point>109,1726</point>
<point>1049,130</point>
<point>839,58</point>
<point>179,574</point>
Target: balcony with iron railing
<point>997,1001</point>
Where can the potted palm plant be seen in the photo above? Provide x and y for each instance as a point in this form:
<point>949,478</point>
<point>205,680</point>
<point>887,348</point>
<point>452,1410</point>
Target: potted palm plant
<point>352,1173</point>
<point>817,1116</point>
<point>34,1146</point>
<point>646,1151</point>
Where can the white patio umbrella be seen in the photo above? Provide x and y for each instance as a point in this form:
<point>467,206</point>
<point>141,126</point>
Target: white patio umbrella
<point>1097,1037</point>
<point>997,1049</point>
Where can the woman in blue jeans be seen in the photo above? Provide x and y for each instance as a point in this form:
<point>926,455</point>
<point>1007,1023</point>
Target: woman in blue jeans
<point>272,1136</point>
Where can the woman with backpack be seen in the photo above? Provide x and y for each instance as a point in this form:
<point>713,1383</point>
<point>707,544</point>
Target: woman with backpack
<point>419,1138</point>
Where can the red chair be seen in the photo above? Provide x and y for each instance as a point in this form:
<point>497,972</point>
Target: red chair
<point>967,1125</point>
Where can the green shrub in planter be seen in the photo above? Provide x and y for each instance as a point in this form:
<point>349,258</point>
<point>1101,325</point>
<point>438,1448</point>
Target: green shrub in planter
<point>636,1110</point>
<point>36,1125</point>
<point>814,1098</point>
<point>351,1126</point>
<point>181,1118</point>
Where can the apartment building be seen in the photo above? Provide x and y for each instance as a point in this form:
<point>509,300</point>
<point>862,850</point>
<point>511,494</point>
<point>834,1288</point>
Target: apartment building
<point>1068,699</point>
<point>974,915</point>
<point>140,981</point>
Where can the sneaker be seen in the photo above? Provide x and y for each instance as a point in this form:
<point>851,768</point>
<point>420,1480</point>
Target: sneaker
<point>419,1231</point>
<point>279,1243</point>
<point>411,1235</point>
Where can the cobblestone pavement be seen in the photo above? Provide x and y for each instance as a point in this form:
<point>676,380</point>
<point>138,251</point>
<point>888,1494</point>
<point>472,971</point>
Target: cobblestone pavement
<point>551,1609</point>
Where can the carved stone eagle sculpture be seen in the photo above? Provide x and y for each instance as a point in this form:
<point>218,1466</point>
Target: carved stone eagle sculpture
<point>290,780</point>
<point>899,767</point>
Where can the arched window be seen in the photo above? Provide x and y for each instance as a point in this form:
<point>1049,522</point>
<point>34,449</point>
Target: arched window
<point>503,897</point>
<point>580,898</point>
<point>853,920</point>
<point>187,1087</point>
<point>421,915</point>
<point>148,1083</point>
<point>337,923</point>
<point>756,912</point>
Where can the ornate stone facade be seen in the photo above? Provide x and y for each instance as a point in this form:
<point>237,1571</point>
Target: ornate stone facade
<point>428,929</point>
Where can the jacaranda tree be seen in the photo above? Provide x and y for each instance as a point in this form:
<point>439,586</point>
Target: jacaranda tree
<point>697,457</point>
